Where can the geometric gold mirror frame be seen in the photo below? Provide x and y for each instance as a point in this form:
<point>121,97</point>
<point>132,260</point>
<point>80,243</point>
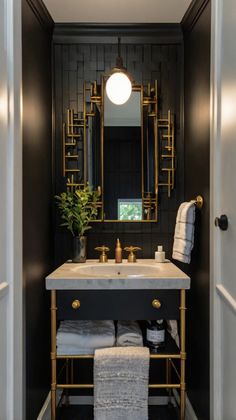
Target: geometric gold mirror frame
<point>126,152</point>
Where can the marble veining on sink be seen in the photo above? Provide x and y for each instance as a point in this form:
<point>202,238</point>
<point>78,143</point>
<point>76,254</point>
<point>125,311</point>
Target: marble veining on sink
<point>144,274</point>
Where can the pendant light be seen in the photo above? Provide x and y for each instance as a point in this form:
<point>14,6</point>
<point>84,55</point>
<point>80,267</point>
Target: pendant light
<point>118,86</point>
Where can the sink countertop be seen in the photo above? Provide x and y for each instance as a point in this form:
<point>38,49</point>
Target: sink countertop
<point>167,276</point>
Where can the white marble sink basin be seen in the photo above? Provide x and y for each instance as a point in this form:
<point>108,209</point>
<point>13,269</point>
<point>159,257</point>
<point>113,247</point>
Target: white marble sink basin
<point>92,275</point>
<point>117,270</point>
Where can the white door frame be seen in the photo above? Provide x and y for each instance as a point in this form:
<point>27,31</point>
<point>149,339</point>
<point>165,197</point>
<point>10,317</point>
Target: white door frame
<point>219,296</point>
<point>215,266</point>
<point>11,185</point>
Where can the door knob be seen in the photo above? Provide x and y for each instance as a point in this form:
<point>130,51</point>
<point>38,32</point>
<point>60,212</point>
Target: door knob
<point>222,222</point>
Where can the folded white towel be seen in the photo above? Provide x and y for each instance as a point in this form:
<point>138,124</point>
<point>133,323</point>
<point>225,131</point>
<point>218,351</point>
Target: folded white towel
<point>184,232</point>
<point>72,350</point>
<point>172,327</point>
<point>128,334</point>
<point>121,383</point>
<point>83,334</point>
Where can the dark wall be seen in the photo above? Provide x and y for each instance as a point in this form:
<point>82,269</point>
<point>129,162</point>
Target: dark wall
<point>148,54</point>
<point>37,182</point>
<point>122,167</point>
<point>197,144</point>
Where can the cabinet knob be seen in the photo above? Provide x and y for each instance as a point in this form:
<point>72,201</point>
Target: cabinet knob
<point>156,304</point>
<point>75,304</point>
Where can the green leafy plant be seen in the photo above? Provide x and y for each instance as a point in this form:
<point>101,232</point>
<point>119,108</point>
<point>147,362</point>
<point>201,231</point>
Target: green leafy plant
<point>130,211</point>
<point>78,209</point>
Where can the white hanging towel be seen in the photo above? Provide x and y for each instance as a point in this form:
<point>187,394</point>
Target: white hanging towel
<point>184,232</point>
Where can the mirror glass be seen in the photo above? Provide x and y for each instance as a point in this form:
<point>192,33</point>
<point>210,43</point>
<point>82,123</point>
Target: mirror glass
<point>94,157</point>
<point>122,160</point>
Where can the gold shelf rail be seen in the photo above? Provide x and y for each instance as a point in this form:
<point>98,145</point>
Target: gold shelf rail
<point>72,132</point>
<point>166,128</point>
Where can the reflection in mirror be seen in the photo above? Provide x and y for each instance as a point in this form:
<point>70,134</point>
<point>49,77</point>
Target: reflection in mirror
<point>94,149</point>
<point>148,154</point>
<point>122,160</point>
<point>149,165</point>
<point>130,209</point>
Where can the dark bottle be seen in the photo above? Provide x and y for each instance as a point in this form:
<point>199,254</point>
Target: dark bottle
<point>155,334</point>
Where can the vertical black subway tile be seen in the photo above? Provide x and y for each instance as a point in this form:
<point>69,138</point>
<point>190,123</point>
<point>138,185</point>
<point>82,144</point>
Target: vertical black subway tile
<point>147,62</point>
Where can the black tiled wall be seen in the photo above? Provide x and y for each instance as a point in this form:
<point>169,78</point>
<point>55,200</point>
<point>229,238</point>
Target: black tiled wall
<point>197,41</point>
<point>76,62</point>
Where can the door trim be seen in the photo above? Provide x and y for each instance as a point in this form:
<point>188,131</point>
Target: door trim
<point>13,219</point>
<point>3,289</point>
<point>215,236</point>
<point>228,298</point>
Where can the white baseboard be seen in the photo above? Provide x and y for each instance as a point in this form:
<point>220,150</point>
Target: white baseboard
<point>45,413</point>
<point>189,413</point>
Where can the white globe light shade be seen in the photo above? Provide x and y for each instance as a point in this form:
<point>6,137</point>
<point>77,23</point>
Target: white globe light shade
<point>118,88</point>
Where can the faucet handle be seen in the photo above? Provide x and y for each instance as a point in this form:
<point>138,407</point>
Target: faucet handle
<point>103,256</point>
<point>131,250</point>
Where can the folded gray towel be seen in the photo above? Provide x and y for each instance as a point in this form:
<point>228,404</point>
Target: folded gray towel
<point>128,334</point>
<point>172,327</point>
<point>73,350</point>
<point>84,334</point>
<point>121,377</point>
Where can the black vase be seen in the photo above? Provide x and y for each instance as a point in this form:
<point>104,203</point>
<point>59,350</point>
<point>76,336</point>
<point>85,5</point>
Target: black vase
<point>79,249</point>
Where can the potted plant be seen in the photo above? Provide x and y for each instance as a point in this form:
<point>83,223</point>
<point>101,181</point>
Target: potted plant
<point>77,210</point>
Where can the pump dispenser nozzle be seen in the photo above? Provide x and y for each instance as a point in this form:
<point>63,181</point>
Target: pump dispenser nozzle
<point>118,252</point>
<point>160,254</point>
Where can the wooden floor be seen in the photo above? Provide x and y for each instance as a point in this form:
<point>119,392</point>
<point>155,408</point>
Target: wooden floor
<point>86,413</point>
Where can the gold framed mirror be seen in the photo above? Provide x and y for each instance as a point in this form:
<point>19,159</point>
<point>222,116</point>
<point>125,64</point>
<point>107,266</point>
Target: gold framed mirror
<point>130,172</point>
<point>126,152</point>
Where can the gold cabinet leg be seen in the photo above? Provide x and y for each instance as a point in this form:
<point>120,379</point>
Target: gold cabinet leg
<point>182,403</point>
<point>72,370</point>
<point>168,378</point>
<point>53,354</point>
<point>53,402</point>
<point>67,398</point>
<point>182,353</point>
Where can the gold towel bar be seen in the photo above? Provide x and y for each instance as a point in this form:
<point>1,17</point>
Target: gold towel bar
<point>198,201</point>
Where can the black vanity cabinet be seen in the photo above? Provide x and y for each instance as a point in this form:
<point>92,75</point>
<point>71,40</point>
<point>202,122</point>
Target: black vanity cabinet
<point>74,296</point>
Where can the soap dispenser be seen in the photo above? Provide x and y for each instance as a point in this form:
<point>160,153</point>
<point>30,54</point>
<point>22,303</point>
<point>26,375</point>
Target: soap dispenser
<point>118,252</point>
<point>160,254</point>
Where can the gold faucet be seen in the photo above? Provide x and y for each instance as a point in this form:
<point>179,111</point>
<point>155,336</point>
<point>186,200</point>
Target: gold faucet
<point>131,250</point>
<point>103,256</point>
